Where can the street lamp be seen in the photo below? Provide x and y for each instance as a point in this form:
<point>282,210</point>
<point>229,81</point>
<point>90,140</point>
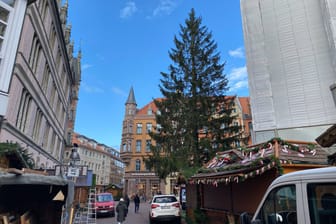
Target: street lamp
<point>74,167</point>
<point>74,156</point>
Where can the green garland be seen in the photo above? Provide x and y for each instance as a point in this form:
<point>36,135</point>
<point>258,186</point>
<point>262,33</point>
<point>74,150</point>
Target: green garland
<point>254,164</point>
<point>14,148</point>
<point>257,162</point>
<point>293,147</point>
<point>274,163</point>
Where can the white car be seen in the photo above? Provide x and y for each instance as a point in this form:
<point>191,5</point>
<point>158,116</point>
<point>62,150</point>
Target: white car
<point>165,208</point>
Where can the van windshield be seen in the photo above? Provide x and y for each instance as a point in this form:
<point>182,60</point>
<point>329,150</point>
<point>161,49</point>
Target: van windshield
<point>279,206</point>
<point>104,197</point>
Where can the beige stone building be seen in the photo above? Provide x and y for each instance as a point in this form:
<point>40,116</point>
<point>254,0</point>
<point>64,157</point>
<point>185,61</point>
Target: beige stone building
<point>41,92</point>
<point>104,161</point>
<point>135,145</point>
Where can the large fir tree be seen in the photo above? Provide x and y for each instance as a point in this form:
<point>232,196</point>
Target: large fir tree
<point>194,115</point>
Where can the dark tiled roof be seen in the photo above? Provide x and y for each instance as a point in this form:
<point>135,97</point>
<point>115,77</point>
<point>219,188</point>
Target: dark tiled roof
<point>131,97</point>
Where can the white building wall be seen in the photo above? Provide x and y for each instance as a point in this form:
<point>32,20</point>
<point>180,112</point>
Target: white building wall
<point>290,59</point>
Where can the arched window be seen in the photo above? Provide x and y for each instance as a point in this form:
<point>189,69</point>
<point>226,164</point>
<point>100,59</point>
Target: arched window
<point>35,53</point>
<point>25,104</point>
<point>37,125</point>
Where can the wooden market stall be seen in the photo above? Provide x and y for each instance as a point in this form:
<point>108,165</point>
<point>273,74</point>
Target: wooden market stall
<point>30,196</point>
<point>34,198</point>
<point>234,181</point>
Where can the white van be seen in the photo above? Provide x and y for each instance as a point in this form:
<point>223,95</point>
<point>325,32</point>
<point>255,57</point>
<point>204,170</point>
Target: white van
<point>303,197</point>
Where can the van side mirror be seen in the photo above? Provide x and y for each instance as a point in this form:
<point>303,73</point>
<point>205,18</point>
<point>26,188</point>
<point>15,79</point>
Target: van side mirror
<point>245,218</point>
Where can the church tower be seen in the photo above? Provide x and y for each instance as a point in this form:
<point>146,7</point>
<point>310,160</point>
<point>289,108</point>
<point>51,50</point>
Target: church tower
<point>127,131</point>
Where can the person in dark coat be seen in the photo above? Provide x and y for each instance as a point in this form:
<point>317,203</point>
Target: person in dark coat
<point>121,210</point>
<point>136,203</point>
<point>127,200</point>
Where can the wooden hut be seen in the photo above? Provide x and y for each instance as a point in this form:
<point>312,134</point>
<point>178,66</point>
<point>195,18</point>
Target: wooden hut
<point>234,181</point>
<point>31,196</point>
<point>116,190</point>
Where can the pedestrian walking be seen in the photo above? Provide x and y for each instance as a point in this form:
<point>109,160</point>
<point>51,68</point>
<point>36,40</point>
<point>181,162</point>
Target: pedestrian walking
<point>127,201</point>
<point>136,203</point>
<point>121,210</point>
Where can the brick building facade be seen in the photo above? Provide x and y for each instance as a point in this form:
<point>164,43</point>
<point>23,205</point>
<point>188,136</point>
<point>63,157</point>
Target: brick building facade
<point>135,145</point>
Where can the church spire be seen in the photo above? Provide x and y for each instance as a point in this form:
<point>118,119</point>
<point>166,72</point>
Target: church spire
<point>131,97</point>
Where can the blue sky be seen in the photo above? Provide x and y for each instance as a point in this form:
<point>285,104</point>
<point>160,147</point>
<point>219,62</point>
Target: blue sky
<point>126,43</point>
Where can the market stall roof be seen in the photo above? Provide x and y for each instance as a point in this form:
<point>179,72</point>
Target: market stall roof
<point>239,164</point>
<point>22,187</point>
<point>7,178</point>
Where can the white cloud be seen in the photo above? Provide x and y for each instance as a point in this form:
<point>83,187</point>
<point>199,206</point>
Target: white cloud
<point>238,79</point>
<point>90,89</point>
<point>237,53</point>
<point>238,74</point>
<point>166,7</point>
<point>128,10</point>
<point>243,84</point>
<point>119,92</point>
<point>86,66</point>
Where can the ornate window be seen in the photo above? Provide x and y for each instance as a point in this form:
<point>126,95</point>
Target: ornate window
<point>37,125</point>
<point>138,145</point>
<point>137,165</point>
<point>5,11</point>
<point>46,135</point>
<point>45,78</point>
<point>149,127</point>
<point>148,145</point>
<point>35,53</point>
<point>139,128</point>
<point>25,105</point>
<point>52,37</point>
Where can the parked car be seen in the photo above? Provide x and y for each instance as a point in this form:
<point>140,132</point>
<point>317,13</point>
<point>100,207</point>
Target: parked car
<point>164,208</point>
<point>302,197</point>
<point>104,204</point>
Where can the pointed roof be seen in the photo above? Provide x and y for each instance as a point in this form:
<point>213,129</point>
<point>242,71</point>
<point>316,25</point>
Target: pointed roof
<point>131,97</point>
